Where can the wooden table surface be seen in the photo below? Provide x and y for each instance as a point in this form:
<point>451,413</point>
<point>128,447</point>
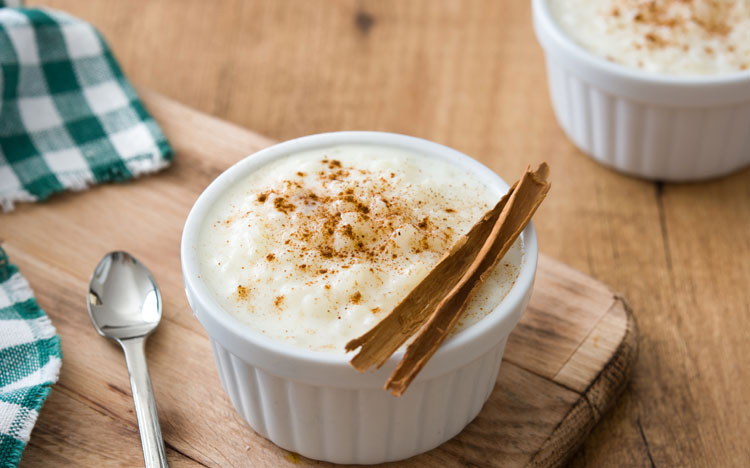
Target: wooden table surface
<point>469,74</point>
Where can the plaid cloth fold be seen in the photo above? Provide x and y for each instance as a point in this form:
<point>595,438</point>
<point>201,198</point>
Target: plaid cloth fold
<point>30,359</point>
<point>68,116</point>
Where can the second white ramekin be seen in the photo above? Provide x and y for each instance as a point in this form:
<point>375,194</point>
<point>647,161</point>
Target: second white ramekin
<point>663,127</point>
<point>314,403</point>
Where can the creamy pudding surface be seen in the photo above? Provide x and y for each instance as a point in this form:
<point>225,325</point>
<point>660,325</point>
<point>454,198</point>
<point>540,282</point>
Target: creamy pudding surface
<point>681,37</point>
<point>315,248</point>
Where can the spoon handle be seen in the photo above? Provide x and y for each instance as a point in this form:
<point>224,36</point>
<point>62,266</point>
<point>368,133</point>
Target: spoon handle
<point>143,398</point>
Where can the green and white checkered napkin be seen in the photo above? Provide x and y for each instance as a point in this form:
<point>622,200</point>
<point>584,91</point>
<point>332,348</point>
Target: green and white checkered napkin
<point>30,360</point>
<point>68,116</point>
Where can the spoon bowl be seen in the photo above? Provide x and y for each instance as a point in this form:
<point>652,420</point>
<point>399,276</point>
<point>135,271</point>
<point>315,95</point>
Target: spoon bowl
<point>124,300</point>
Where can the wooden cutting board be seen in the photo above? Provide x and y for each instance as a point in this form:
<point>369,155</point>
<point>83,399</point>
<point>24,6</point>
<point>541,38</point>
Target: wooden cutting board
<point>563,368</point>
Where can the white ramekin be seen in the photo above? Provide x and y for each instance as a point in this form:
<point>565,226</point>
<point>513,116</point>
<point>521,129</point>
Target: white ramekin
<point>662,127</point>
<point>314,403</point>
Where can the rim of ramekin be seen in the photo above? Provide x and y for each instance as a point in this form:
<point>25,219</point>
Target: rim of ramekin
<point>551,35</point>
<point>296,362</point>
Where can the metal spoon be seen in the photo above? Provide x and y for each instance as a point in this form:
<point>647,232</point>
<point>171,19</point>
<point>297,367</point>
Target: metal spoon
<point>125,305</point>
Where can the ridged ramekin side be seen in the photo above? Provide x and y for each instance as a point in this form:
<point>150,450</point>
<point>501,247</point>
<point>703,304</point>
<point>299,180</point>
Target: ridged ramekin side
<point>649,140</point>
<point>350,425</point>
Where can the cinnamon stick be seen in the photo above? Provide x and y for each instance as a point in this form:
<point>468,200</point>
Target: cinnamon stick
<point>523,202</point>
<point>381,341</point>
<point>441,297</point>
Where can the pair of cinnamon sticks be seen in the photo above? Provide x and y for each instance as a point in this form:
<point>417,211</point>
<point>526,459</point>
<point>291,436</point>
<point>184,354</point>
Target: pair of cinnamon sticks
<point>438,301</point>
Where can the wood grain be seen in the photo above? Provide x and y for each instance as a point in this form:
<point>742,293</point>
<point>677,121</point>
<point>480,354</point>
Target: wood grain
<point>468,73</point>
<point>100,442</point>
<point>537,414</point>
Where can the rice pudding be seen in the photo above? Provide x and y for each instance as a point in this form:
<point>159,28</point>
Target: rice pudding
<point>682,37</point>
<point>315,248</point>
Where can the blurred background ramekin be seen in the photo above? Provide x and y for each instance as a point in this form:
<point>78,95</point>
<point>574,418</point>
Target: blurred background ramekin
<point>314,403</point>
<point>657,126</point>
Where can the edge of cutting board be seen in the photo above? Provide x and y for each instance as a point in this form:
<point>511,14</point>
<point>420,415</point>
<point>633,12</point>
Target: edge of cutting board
<point>595,400</point>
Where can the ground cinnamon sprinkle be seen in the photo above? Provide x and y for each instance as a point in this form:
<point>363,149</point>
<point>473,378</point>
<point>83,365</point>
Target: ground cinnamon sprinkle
<point>356,297</point>
<point>655,40</point>
<point>242,292</point>
<point>281,204</point>
<point>320,226</point>
<point>661,15</point>
<point>348,231</point>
